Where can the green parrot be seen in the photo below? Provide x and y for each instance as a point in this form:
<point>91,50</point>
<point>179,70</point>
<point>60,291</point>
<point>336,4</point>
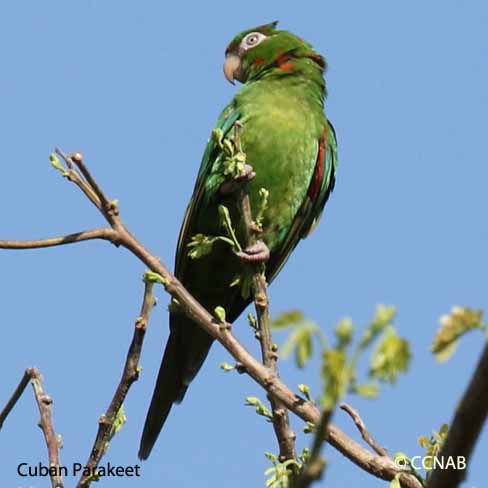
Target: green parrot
<point>291,151</point>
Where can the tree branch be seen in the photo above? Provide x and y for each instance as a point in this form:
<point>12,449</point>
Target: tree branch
<point>44,402</point>
<point>307,411</point>
<point>363,430</point>
<point>106,423</point>
<point>465,428</point>
<point>15,397</point>
<point>313,469</point>
<point>281,422</point>
<point>105,233</point>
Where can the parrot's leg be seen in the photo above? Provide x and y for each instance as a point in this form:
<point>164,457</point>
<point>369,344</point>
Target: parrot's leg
<point>231,186</point>
<point>255,254</point>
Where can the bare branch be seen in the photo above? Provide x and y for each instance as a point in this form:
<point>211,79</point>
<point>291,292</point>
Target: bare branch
<point>15,397</point>
<point>313,469</point>
<point>72,175</point>
<point>44,402</point>
<point>363,430</point>
<point>465,428</point>
<point>129,375</point>
<point>105,233</point>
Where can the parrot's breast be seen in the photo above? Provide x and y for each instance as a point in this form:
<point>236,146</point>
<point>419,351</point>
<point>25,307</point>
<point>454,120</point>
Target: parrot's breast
<point>282,126</point>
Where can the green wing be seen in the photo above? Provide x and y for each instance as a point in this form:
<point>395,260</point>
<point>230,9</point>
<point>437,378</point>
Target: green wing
<point>211,154</point>
<point>312,207</point>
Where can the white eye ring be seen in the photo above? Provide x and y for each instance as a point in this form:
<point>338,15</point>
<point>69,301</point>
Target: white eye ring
<point>252,39</point>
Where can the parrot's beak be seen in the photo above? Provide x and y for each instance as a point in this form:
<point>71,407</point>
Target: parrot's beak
<point>232,65</point>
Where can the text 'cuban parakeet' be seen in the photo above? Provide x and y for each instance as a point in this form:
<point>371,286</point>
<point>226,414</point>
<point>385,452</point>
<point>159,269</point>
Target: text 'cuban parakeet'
<point>291,147</point>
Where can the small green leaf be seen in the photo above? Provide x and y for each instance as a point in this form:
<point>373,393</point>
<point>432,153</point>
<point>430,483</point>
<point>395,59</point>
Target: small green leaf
<point>433,445</point>
<point>304,349</point>
<point>152,277</point>
<point>395,482</point>
<point>391,357</point>
<point>366,390</point>
<point>453,326</point>
<point>252,321</point>
<point>226,366</point>
<point>305,389</point>
<point>269,455</point>
<point>201,245</point>
<point>259,407</point>
<point>227,223</point>
<point>287,319</point>
<point>263,205</point>
<point>300,342</point>
<point>218,135</point>
<point>336,377</point>
<point>344,331</point>
<point>174,306</point>
<point>119,421</point>
<point>384,316</point>
<point>56,164</point>
<point>305,455</point>
<point>220,314</point>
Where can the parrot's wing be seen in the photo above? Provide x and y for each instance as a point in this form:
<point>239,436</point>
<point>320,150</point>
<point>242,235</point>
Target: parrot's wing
<point>309,213</point>
<point>212,152</point>
<point>185,340</point>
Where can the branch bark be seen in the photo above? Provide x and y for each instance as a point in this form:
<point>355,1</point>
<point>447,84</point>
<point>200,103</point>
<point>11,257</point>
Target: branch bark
<point>465,428</point>
<point>44,403</point>
<point>105,233</point>
<point>129,375</point>
<point>15,397</point>
<point>358,421</point>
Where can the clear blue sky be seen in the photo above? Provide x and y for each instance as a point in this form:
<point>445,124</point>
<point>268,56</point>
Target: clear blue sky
<point>137,87</point>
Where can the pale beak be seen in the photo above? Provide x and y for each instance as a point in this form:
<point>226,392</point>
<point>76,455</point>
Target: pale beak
<point>231,67</point>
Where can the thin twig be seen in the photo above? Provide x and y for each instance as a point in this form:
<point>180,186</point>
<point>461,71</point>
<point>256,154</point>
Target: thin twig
<point>129,375</point>
<point>15,397</point>
<point>109,208</point>
<point>44,402</point>
<point>281,422</point>
<point>72,175</point>
<point>313,469</point>
<point>106,233</point>
<point>376,465</point>
<point>465,428</point>
<point>358,421</point>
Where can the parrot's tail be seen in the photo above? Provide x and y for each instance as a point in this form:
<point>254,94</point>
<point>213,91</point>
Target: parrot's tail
<point>169,389</point>
<point>185,352</point>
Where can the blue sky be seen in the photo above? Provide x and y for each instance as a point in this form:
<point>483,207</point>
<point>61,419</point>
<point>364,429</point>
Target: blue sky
<point>137,87</point>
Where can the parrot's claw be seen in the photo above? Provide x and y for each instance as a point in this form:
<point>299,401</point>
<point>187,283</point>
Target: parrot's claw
<point>231,186</point>
<point>256,254</point>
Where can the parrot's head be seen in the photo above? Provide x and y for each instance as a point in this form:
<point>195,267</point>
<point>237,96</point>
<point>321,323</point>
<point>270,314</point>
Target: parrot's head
<point>261,49</point>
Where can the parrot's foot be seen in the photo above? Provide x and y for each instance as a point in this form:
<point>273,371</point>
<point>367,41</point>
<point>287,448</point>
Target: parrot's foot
<point>231,186</point>
<point>256,254</point>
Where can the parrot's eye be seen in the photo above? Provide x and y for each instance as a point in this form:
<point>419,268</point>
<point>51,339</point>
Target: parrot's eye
<point>252,39</point>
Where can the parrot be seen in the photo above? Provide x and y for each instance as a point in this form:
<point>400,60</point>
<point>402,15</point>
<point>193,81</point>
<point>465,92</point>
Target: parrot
<point>290,151</point>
